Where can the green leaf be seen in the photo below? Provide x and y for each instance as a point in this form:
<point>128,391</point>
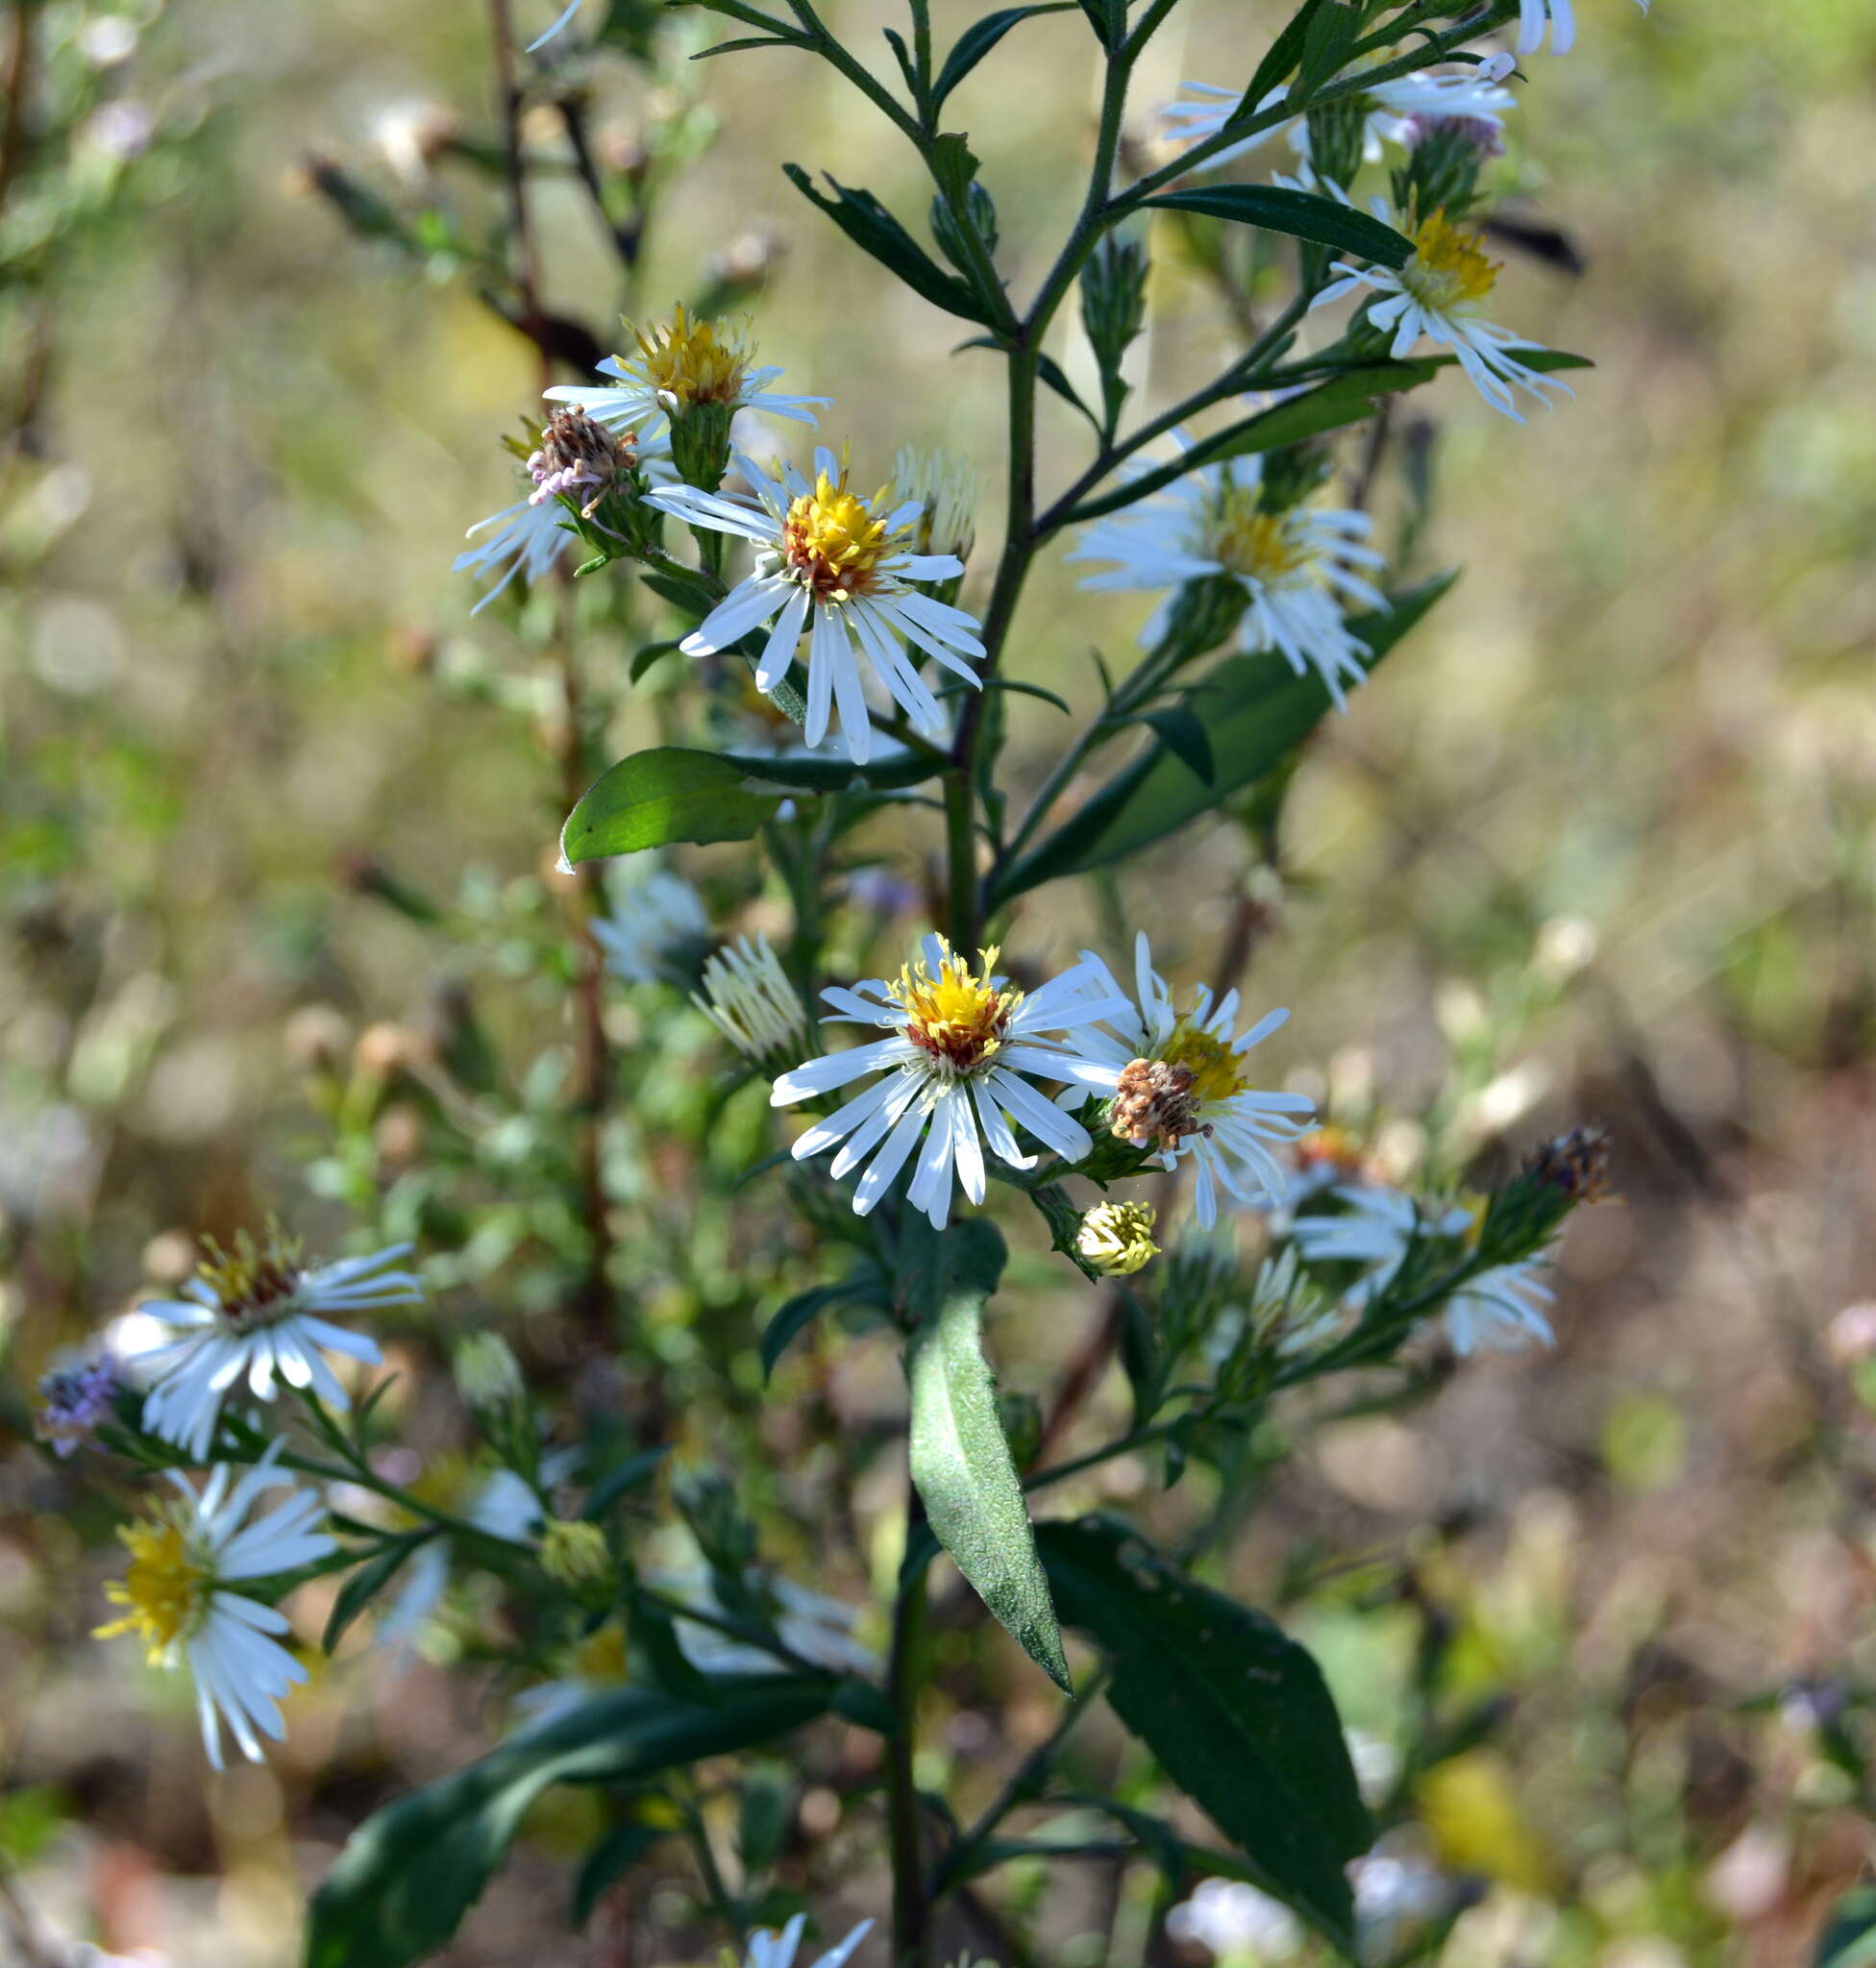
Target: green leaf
<point>870,226</point>
<point>1303,214</point>
<point>978,38</point>
<point>952,166</point>
<point>1182,731</point>
<point>961,1463</point>
<point>813,772</point>
<point>669,794</point>
<point>410,1872</point>
<point>1281,59</point>
<point>1326,40</point>
<point>367,1581</point>
<point>1236,1712</point>
<point>1255,712</point>
<point>799,1313</point>
<point>650,654</point>
<point>1849,1942</point>
<point>1345,397</point>
<point>621,1849</point>
<point>625,1474</point>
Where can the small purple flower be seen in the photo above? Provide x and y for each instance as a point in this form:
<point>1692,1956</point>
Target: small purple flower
<point>72,1404</point>
<point>1480,132</point>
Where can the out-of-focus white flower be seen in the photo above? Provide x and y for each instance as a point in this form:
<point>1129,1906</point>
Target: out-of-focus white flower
<point>1436,297</point>
<point>678,367</point>
<point>810,1624</point>
<point>1556,16</point>
<point>1501,1311</point>
<point>500,1505</point>
<point>256,1313</point>
<point>1397,1889</point>
<point>657,922</point>
<point>768,1949</point>
<point>963,1050</point>
<point>1179,1081</point>
<point>1233,1919</point>
<point>746,996</point>
<point>562,20</point>
<point>1297,565</point>
<point>947,489</point>
<point>839,569</point>
<point>177,1600</point>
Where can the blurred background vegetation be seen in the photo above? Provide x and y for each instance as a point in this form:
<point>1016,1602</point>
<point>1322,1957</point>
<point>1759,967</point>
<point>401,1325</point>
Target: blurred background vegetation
<point>1595,844</point>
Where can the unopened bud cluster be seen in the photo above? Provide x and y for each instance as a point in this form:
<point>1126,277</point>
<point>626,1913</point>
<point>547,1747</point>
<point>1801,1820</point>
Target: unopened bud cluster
<point>1117,1238</point>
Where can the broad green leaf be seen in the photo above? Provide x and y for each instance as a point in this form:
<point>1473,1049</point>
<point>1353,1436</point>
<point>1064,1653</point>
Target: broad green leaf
<point>668,793</point>
<point>409,1872</point>
<point>1255,711</point>
<point>870,226</point>
<point>1345,397</point>
<point>800,1311</point>
<point>818,771</point>
<point>621,1849</point>
<point>978,38</point>
<point>1303,214</point>
<point>1326,40</point>
<point>963,1467</point>
<point>1849,1942</point>
<point>1236,1712</point>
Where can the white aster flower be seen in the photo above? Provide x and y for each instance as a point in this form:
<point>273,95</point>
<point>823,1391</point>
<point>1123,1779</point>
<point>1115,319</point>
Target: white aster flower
<point>1178,1081</point>
<point>964,1047</point>
<point>947,488</point>
<point>1234,1920</point>
<point>1297,565</point>
<point>530,535</point>
<point>840,569</point>
<point>1500,1311</point>
<point>1378,1229</point>
<point>1436,297</point>
<point>655,917</point>
<point>253,1314</point>
<point>746,996</point>
<point>676,368</point>
<point>177,1600</point>
<point>1394,108</point>
<point>1536,16</point>
<point>768,1949</point>
<point>811,1624</point>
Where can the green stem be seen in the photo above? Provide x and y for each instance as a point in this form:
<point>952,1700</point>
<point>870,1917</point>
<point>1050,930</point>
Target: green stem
<point>910,1905</point>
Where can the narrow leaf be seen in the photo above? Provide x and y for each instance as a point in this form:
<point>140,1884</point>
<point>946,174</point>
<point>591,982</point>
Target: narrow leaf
<point>1303,214</point>
<point>870,226</point>
<point>1183,733</point>
<point>1255,712</point>
<point>799,1313</point>
<point>1236,1712</point>
<point>621,1849</point>
<point>1281,59</point>
<point>1327,42</point>
<point>366,1582</point>
<point>1849,1942</point>
<point>966,1475</point>
<point>978,38</point>
<point>665,794</point>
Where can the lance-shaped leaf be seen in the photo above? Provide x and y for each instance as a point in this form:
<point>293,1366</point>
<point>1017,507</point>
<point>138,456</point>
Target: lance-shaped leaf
<point>977,42</point>
<point>1303,214</point>
<point>668,793</point>
<point>870,225</point>
<point>961,1461</point>
<point>1237,1713</point>
<point>1849,1942</point>
<point>410,1872</point>
<point>1254,710</point>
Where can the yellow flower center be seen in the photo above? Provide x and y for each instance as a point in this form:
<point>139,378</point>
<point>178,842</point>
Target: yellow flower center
<point>257,1283</point>
<point>1247,541</point>
<point>1210,1061</point>
<point>1448,268</point>
<point>165,1586</point>
<point>696,361</point>
<point>957,1020</point>
<point>601,1657</point>
<point>830,541</point>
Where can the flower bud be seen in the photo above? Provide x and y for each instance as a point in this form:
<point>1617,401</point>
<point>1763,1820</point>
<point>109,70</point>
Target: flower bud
<point>1117,1238</point>
<point>945,227</point>
<point>1114,294</point>
<point>574,1554</point>
<point>487,1374</point>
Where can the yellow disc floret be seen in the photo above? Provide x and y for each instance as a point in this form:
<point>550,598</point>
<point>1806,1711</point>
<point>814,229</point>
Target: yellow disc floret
<point>256,1282</point>
<point>694,362</point>
<point>830,541</point>
<point>1248,541</point>
<point>958,1020</point>
<point>165,1587</point>
<point>1208,1059</point>
<point>1448,267</point>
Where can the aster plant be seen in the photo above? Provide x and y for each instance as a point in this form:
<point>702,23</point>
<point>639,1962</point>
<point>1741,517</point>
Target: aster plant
<point>842,720</point>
